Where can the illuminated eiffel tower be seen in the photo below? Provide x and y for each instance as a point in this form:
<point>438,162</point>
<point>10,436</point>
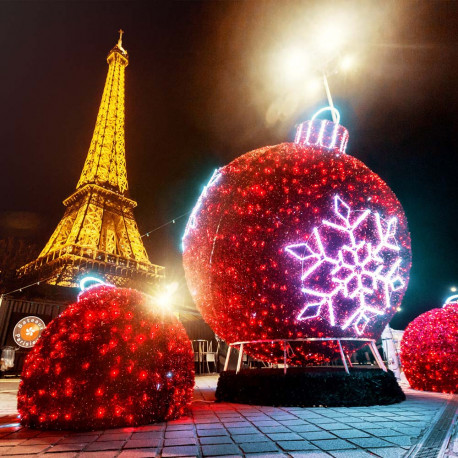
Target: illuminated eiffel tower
<point>98,233</point>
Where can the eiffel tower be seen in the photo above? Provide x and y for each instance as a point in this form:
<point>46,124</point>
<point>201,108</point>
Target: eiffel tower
<point>98,233</point>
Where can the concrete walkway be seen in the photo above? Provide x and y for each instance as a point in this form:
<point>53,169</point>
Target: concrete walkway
<point>410,429</point>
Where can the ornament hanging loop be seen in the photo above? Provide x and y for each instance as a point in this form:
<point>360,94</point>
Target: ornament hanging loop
<point>91,282</point>
<point>333,110</point>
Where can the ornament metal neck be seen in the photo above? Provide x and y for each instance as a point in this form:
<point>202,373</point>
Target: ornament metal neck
<point>323,133</point>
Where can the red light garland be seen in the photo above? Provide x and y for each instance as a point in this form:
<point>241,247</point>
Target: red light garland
<point>259,227</point>
<point>112,359</point>
<point>429,350</point>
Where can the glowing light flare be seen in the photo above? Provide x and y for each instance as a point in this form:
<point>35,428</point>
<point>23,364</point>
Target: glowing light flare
<point>164,297</point>
<point>359,269</point>
<point>347,63</point>
<point>293,63</point>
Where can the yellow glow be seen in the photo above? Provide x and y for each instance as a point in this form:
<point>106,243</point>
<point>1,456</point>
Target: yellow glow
<point>347,63</point>
<point>453,289</point>
<point>294,64</point>
<point>164,298</point>
<point>332,34</point>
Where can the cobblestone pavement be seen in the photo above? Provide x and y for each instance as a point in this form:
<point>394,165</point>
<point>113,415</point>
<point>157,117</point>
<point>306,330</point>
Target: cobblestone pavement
<point>222,429</point>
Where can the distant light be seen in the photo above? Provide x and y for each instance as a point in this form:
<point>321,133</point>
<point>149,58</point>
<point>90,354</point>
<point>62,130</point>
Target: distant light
<point>314,86</point>
<point>169,375</point>
<point>164,297</point>
<point>331,35</point>
<point>294,64</point>
<point>453,289</point>
<point>347,63</point>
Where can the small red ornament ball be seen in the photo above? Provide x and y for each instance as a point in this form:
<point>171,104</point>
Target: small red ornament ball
<point>112,359</point>
<point>429,350</point>
<point>297,240</point>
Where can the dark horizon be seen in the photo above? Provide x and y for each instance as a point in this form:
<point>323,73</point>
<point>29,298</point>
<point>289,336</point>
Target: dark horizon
<point>199,94</point>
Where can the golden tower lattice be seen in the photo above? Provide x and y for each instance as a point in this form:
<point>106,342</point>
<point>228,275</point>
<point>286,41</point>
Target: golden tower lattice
<point>98,232</point>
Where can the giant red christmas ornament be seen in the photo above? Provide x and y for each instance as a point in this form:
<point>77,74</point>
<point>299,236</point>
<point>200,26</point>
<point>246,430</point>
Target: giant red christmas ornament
<point>112,359</point>
<point>297,240</point>
<point>429,350</point>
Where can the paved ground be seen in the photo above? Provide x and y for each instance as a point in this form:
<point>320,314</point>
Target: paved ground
<point>213,429</point>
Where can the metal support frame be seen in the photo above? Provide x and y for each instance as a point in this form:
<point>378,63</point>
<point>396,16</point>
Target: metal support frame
<point>239,361</point>
<point>228,355</point>
<point>345,358</point>
<point>285,363</point>
<point>377,356</point>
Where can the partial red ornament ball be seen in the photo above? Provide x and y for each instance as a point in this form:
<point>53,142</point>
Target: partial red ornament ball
<point>297,240</point>
<point>112,359</point>
<point>429,350</point>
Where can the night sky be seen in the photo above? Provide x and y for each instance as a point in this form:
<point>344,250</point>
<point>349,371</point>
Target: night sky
<point>203,86</point>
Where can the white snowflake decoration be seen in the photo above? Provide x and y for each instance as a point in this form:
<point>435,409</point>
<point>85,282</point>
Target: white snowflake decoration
<point>359,270</point>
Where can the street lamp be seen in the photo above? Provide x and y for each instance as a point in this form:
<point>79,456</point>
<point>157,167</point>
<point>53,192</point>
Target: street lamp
<point>324,54</point>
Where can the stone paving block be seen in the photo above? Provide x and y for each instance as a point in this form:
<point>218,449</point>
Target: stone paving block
<point>77,439</point>
<point>265,423</point>
<point>180,441</point>
<point>212,432</point>
<point>389,452</point>
<point>349,433</point>
<point>245,438</point>
<point>210,426</point>
<point>156,427</point>
<point>142,443</point>
<point>97,454</point>
<point>400,440</point>
<point>138,453</point>
<point>51,440</point>
<point>296,445</point>
<point>54,455</point>
<point>296,422</point>
<point>333,444</point>
<point>367,442</point>
<point>215,440</point>
<point>158,435</point>
<point>335,426</point>
<point>415,432</point>
<point>176,427</point>
<point>324,420</point>
<point>109,445</point>
<point>113,437</point>
<point>317,435</point>
<point>67,448</point>
<point>219,449</point>
<point>258,447</point>
<point>310,455</point>
<point>351,454</point>
<point>11,442</point>
<point>249,430</point>
<point>183,450</point>
<point>304,428</point>
<point>175,434</point>
<point>236,424</point>
<point>267,455</point>
<point>20,450</point>
<point>285,437</point>
<point>274,429</point>
<point>384,432</point>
